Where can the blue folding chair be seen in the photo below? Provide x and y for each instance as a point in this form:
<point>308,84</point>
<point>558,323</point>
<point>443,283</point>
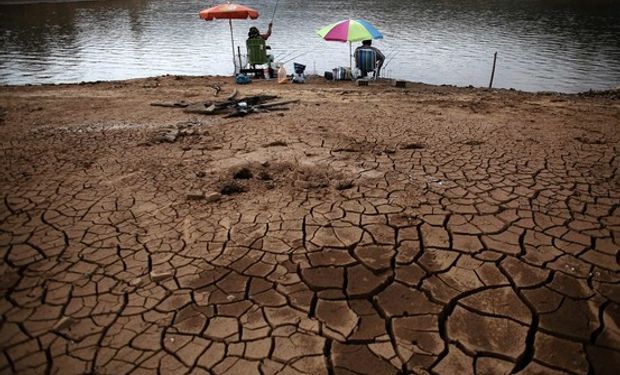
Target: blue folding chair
<point>366,61</point>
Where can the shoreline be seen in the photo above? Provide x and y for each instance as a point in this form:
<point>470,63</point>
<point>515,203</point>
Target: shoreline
<point>611,92</point>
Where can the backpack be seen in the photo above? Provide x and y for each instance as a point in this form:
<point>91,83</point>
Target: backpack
<point>299,76</point>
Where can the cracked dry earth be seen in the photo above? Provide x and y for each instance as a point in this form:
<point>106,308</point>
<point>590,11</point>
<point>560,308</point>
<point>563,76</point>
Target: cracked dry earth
<point>367,230</point>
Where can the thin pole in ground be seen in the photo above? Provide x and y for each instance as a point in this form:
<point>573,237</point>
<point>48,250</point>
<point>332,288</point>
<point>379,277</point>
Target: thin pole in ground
<point>232,42</point>
<point>493,70</point>
<point>350,57</point>
<point>239,55</point>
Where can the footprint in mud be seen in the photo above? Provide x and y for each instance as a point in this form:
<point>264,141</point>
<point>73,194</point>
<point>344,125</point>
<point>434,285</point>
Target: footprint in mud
<point>243,174</point>
<point>590,141</point>
<point>275,144</point>
<point>473,143</point>
<point>265,176</point>
<point>231,188</point>
<point>414,146</point>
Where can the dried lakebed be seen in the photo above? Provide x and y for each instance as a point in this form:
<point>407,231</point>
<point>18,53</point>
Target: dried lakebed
<point>366,230</point>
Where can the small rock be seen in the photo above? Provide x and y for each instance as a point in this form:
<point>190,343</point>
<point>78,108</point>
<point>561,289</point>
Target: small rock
<point>201,174</point>
<point>169,137</point>
<point>343,184</point>
<point>160,276</point>
<point>64,323</point>
<point>212,196</point>
<point>195,195</point>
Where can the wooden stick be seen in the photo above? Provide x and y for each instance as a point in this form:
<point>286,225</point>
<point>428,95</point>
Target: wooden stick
<point>269,105</point>
<point>493,71</point>
<point>178,104</point>
<point>232,95</point>
<point>239,55</point>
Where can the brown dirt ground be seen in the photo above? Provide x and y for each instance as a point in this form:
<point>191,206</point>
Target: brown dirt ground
<point>367,230</point>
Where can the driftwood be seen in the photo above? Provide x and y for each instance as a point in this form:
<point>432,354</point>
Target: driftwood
<point>232,95</point>
<point>177,104</point>
<point>276,104</point>
<point>244,110</point>
<point>231,107</point>
<point>217,89</point>
<point>255,100</point>
<point>200,108</point>
<point>215,108</point>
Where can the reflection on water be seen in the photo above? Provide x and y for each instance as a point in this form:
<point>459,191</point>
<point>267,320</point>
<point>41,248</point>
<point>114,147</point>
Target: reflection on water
<point>564,45</point>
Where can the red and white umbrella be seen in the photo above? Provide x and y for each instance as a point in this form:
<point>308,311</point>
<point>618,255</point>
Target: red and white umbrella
<point>229,12</point>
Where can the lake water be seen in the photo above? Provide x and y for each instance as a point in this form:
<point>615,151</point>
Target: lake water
<point>559,45</point>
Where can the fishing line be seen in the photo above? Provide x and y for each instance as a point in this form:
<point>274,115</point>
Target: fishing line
<point>390,60</point>
<point>296,57</point>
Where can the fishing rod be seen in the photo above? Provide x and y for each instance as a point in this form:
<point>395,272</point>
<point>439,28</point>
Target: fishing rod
<point>296,57</point>
<point>288,54</point>
<point>390,54</point>
<point>390,60</point>
<point>274,11</point>
<point>387,56</point>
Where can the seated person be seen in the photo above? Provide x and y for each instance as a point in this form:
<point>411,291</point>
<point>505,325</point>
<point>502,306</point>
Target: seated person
<point>254,33</point>
<point>367,45</point>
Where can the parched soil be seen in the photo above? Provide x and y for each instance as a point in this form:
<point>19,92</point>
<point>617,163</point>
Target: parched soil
<point>366,230</point>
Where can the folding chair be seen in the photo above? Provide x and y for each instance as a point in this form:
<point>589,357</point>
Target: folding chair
<point>257,55</point>
<point>366,61</point>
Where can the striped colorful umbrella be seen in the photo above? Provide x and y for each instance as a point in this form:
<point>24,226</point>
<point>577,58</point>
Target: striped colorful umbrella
<point>350,31</point>
<point>229,12</point>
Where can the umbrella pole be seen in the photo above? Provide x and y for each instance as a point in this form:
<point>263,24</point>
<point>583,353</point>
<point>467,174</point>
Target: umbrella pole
<point>350,58</point>
<point>232,42</point>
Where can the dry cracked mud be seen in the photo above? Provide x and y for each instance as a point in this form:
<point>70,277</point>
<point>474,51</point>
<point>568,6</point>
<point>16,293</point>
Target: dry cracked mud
<point>367,230</point>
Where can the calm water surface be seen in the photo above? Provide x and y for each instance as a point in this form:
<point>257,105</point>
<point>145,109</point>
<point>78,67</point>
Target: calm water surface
<point>560,45</point>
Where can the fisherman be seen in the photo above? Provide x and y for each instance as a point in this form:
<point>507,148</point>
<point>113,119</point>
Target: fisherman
<point>255,33</point>
<point>367,45</point>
